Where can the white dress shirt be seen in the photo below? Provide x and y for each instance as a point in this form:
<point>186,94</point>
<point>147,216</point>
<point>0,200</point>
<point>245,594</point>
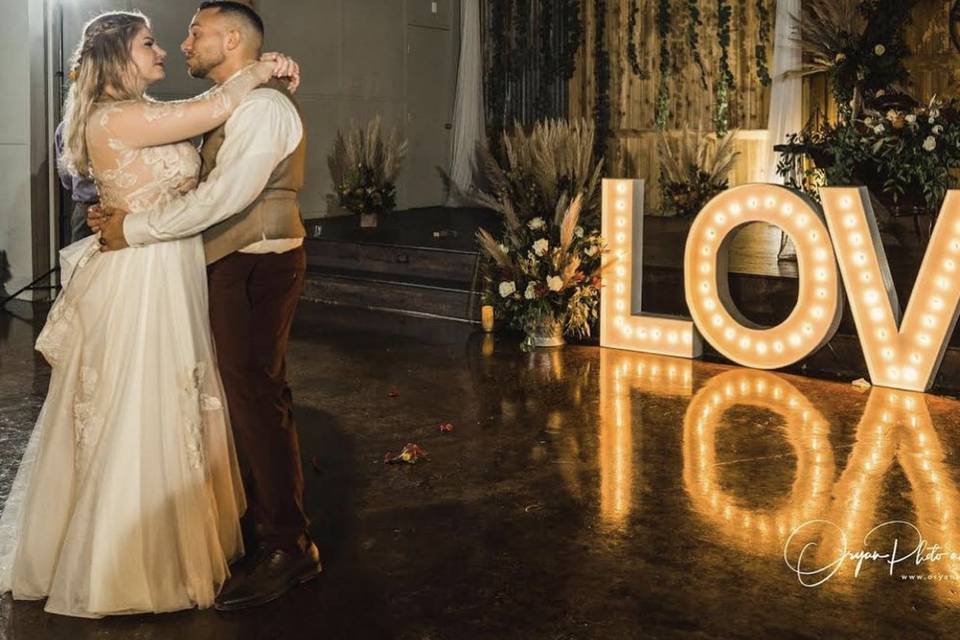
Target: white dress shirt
<point>263,130</point>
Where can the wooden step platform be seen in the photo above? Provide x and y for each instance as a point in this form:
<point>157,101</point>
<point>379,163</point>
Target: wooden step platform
<point>424,263</point>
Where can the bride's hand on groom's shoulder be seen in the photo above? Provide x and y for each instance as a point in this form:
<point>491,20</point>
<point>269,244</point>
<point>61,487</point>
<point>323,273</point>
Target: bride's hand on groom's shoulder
<point>286,68</point>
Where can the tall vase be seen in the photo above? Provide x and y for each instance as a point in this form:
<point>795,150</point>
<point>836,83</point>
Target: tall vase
<point>368,220</point>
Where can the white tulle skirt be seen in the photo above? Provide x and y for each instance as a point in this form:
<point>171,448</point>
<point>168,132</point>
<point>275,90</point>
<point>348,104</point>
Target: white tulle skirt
<point>128,497</point>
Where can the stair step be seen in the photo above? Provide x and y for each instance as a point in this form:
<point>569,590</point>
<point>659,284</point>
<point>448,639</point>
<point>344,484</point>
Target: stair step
<point>427,297</point>
<point>419,262</point>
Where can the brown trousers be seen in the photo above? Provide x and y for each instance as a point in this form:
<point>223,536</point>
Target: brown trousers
<point>253,298</point>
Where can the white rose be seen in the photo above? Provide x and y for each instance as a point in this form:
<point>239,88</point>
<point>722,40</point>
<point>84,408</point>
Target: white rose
<point>937,130</point>
<point>930,143</point>
<point>578,232</point>
<point>931,120</point>
<point>507,289</point>
<point>911,118</point>
<point>891,115</point>
<point>868,121</point>
<point>878,128</point>
<point>540,246</point>
<point>536,223</point>
<point>554,283</point>
<point>531,291</point>
<point>879,49</point>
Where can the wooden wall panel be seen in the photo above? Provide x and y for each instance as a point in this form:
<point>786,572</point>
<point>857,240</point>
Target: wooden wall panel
<point>935,69</point>
<point>633,137</point>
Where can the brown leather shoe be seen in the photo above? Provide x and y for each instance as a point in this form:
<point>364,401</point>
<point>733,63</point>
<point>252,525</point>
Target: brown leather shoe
<point>272,573</point>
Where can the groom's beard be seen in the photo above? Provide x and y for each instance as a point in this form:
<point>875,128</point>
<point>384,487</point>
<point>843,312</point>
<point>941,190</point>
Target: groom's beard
<point>201,68</point>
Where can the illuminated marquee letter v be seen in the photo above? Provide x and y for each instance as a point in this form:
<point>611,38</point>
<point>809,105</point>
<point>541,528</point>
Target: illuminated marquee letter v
<point>622,324</point>
<point>907,354</point>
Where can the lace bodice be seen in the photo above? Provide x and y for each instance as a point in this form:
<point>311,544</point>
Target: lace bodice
<point>148,178</point>
<point>138,154</point>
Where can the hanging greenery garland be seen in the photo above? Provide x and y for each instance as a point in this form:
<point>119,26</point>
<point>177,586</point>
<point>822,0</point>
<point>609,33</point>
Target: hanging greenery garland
<point>522,47</point>
<point>632,56</point>
<point>573,29</point>
<point>694,24</point>
<point>497,80</point>
<point>601,61</point>
<point>763,37</point>
<point>547,63</point>
<point>724,83</point>
<point>663,91</point>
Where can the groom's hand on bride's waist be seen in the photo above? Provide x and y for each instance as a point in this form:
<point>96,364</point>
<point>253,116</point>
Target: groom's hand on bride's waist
<point>109,222</point>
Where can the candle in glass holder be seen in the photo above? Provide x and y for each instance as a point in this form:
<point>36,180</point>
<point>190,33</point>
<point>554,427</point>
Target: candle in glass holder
<point>486,317</point>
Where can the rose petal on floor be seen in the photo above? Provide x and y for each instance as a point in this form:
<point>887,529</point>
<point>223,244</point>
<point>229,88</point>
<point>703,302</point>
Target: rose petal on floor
<point>411,454</point>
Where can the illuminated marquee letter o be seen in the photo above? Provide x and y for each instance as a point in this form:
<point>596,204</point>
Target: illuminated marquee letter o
<point>815,317</point>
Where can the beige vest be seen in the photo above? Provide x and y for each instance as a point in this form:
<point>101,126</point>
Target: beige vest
<point>274,215</point>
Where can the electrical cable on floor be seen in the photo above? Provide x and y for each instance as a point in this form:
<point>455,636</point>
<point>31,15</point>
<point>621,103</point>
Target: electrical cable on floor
<point>32,287</point>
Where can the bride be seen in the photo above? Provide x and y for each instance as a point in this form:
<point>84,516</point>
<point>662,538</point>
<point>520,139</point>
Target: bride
<point>128,496</point>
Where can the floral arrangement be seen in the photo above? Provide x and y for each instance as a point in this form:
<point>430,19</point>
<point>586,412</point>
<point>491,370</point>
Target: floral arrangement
<point>915,150</point>
<point>543,274</point>
<point>364,166</point>
<point>546,273</point>
<point>694,171</point>
<point>895,150</point>
<point>859,44</point>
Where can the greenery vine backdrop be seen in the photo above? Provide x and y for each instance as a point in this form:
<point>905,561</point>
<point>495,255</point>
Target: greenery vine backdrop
<point>531,49</point>
<point>633,58</point>
<point>529,52</point>
<point>760,52</point>
<point>724,84</point>
<point>694,25</point>
<point>601,61</point>
<point>664,21</point>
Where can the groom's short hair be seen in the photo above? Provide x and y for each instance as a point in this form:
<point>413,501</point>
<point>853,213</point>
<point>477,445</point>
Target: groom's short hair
<point>237,10</point>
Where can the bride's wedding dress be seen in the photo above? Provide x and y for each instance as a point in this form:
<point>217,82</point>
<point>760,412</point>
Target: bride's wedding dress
<point>128,497</point>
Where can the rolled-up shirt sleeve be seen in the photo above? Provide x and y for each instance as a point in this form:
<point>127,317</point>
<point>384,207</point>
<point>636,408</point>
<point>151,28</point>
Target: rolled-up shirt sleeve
<point>263,131</point>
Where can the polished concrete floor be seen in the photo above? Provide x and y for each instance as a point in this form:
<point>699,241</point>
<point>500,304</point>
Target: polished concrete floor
<point>583,493</point>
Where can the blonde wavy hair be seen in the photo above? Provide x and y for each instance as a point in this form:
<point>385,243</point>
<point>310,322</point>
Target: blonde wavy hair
<point>102,61</point>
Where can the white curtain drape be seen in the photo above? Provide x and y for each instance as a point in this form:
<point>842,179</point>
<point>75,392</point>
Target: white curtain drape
<point>468,126</point>
<point>786,93</point>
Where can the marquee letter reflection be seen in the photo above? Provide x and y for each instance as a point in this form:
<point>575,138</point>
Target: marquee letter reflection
<point>896,425</point>
<point>759,531</point>
<point>622,373</point>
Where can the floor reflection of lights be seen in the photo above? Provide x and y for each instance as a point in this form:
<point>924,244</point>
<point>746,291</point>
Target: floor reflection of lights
<point>621,373</point>
<point>807,431</point>
<point>827,513</point>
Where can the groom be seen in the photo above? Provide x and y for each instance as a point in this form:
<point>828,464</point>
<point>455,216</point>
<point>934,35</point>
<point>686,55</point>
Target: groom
<point>256,262</point>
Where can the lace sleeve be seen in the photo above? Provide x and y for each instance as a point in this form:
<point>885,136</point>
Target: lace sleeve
<point>139,124</point>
